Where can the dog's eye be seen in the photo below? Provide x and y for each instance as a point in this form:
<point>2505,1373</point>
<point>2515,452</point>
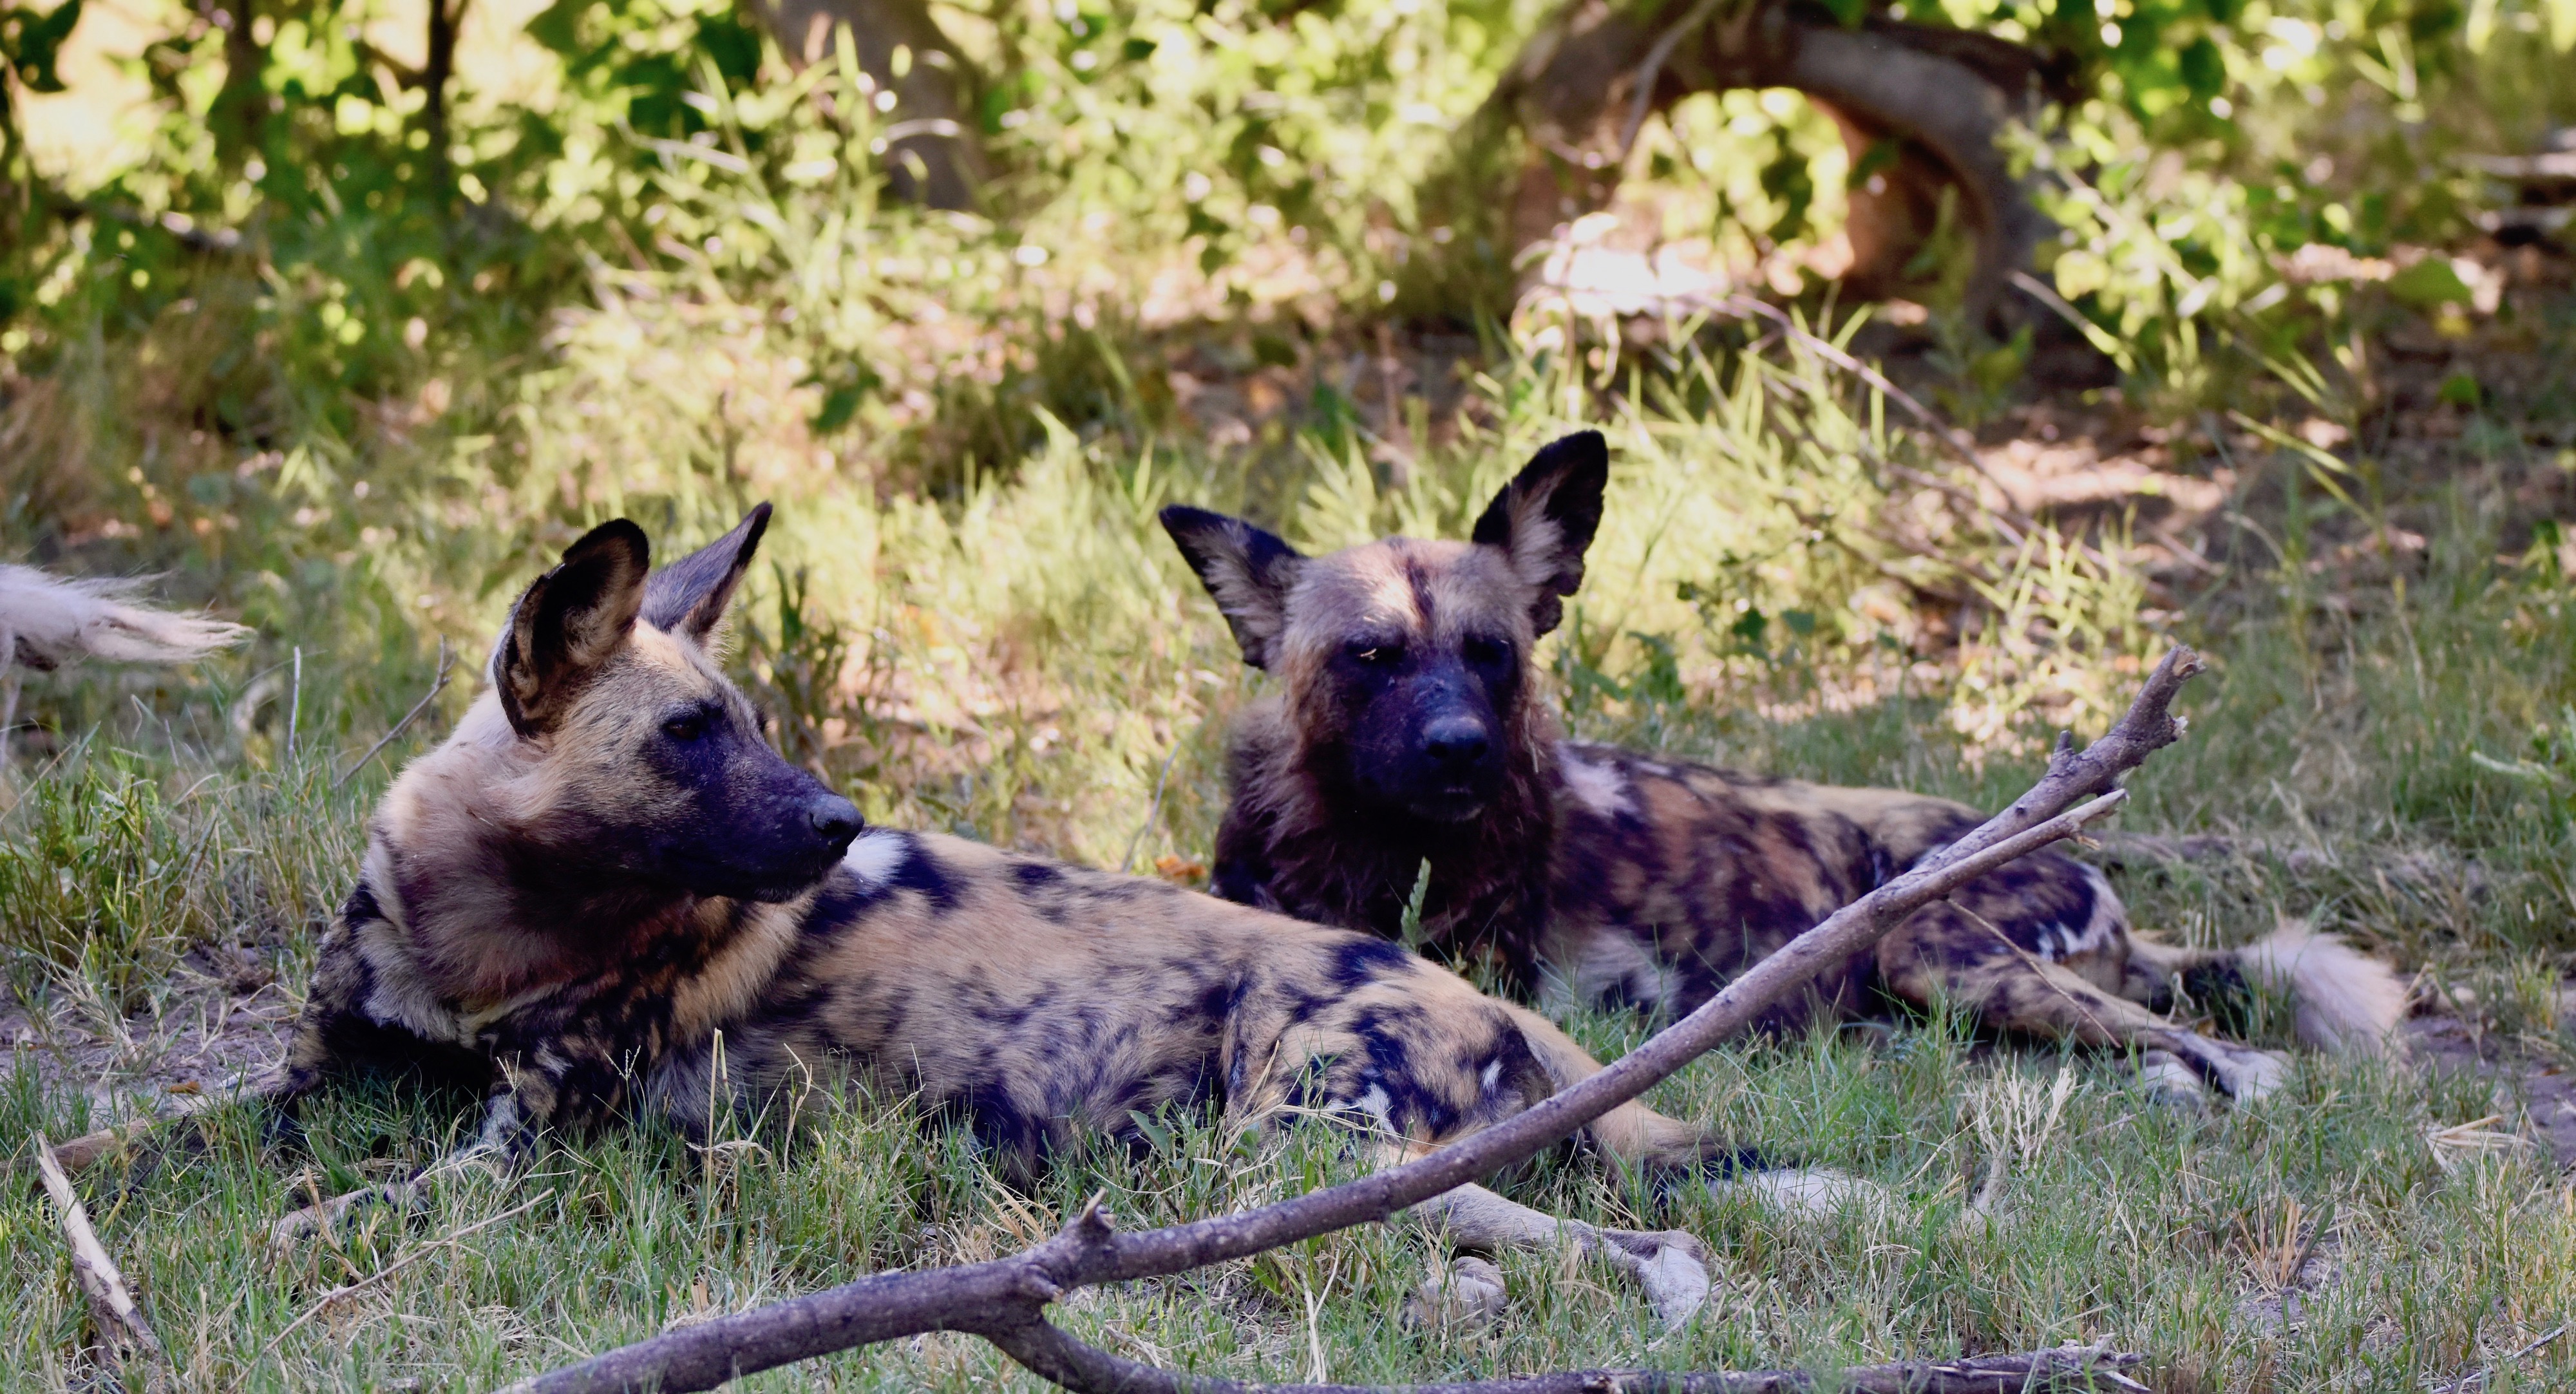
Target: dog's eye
<point>1489,653</point>
<point>687,727</point>
<point>1376,654</point>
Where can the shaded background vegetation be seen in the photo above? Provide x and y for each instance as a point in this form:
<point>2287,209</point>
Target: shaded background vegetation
<point>346,316</point>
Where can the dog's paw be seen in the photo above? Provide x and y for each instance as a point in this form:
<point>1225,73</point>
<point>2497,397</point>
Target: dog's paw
<point>2250,1075</point>
<point>2169,1083</point>
<point>299,1225</point>
<point>1671,1265</point>
<point>1465,1295</point>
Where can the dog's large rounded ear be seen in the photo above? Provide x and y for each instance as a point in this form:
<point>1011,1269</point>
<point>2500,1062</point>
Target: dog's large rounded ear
<point>1246,570</point>
<point>1544,519</point>
<point>569,623</point>
<point>689,596</point>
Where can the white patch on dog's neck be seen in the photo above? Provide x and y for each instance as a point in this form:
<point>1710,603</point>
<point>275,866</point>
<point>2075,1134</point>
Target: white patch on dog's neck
<point>876,855</point>
<point>1600,787</point>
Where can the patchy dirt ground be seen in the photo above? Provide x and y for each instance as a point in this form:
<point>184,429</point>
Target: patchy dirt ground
<point>224,1021</point>
<point>2545,1088</point>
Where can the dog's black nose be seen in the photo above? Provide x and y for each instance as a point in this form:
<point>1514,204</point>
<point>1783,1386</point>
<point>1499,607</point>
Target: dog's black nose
<point>1457,742</point>
<point>833,818</point>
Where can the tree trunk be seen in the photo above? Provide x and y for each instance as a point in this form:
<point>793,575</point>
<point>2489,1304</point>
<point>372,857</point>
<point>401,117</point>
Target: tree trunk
<point>445,18</point>
<point>1556,130</point>
<point>934,152</point>
<point>240,106</point>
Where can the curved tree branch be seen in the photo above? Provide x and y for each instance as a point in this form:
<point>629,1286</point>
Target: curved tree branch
<point>1001,1299</point>
<point>1939,102</point>
<point>1587,79</point>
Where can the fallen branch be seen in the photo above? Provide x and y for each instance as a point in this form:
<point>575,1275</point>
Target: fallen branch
<point>1050,1352</point>
<point>1001,1299</point>
<point>1959,443</point>
<point>90,1149</point>
<point>123,1333</point>
<point>2477,1378</point>
<point>1956,441</point>
<point>1652,70</point>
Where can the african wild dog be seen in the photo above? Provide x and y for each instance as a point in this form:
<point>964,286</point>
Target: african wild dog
<point>1409,727</point>
<point>606,896</point>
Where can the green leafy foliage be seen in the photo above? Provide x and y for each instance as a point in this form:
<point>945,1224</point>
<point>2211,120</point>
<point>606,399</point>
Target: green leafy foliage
<point>31,41</point>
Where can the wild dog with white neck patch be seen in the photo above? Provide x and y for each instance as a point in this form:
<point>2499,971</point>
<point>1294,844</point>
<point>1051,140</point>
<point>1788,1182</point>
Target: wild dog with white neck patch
<point>605,896</point>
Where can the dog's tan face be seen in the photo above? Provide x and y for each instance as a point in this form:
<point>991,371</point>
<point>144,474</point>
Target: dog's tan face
<point>1405,663</point>
<point>651,765</point>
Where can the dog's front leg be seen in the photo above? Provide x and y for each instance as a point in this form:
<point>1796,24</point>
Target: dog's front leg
<point>1670,1265</point>
<point>503,1142</point>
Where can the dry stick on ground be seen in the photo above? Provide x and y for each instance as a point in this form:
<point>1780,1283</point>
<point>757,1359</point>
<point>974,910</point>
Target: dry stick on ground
<point>2477,1378</point>
<point>90,1149</point>
<point>1001,1300</point>
<point>123,1333</point>
<point>1959,442</point>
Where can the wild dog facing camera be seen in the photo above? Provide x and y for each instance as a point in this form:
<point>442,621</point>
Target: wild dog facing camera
<point>1632,878</point>
<point>1406,662</point>
<point>653,774</point>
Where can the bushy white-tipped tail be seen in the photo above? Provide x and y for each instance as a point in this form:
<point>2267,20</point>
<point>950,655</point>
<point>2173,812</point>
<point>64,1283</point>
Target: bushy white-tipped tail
<point>47,621</point>
<point>2347,1002</point>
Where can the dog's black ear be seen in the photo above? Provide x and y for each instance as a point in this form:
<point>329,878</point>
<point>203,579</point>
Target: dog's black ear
<point>688,597</point>
<point>1247,570</point>
<point>1544,519</point>
<point>569,623</point>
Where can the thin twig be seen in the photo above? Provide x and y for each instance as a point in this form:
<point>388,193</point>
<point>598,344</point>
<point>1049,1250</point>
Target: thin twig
<point>1959,442</point>
<point>1001,1299</point>
<point>400,1262</point>
<point>123,1332</point>
<point>2094,334</point>
<point>1151,811</point>
<point>2478,1376</point>
<point>446,660</point>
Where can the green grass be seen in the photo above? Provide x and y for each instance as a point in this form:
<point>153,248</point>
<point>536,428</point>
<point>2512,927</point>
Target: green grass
<point>2128,1222</point>
<point>1025,659</point>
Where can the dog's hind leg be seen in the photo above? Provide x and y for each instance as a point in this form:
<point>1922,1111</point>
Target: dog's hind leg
<point>1952,951</point>
<point>1668,1147</point>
